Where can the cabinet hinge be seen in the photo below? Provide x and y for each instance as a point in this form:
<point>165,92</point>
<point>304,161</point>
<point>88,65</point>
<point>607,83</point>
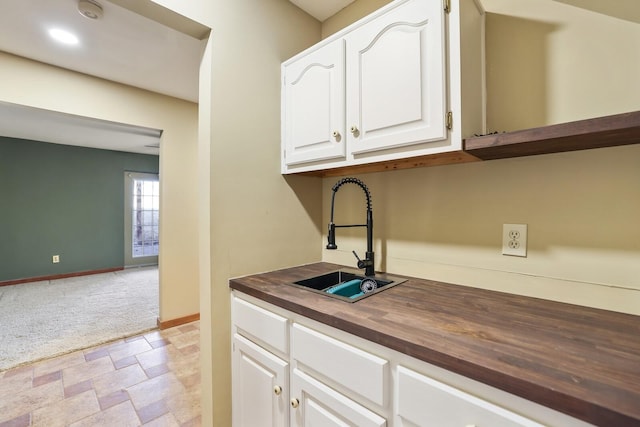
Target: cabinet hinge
<point>447,6</point>
<point>449,120</point>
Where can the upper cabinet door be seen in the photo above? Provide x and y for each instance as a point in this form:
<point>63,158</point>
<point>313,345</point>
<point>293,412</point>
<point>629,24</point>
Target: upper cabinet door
<point>396,88</point>
<point>313,114</point>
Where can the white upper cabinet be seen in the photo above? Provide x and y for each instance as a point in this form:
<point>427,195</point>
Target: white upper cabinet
<point>313,94</point>
<point>395,79</point>
<point>383,88</point>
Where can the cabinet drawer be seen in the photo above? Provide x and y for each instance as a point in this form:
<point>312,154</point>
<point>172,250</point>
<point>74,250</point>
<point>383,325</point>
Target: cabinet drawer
<point>356,370</point>
<point>261,325</point>
<point>426,402</point>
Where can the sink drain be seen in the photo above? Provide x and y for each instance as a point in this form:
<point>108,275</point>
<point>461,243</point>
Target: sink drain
<point>368,285</point>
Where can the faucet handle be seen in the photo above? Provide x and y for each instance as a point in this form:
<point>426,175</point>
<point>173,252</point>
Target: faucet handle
<point>361,264</point>
<point>365,264</point>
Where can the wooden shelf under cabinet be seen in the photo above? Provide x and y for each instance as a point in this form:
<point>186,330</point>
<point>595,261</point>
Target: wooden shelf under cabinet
<point>608,131</point>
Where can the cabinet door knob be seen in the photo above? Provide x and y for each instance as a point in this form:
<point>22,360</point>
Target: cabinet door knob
<point>277,390</point>
<point>294,403</point>
<point>355,131</point>
<point>336,134</point>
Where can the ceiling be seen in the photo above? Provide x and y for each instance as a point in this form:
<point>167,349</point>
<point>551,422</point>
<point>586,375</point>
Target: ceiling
<point>321,10</point>
<point>122,46</point>
<point>18,121</point>
<point>628,10</point>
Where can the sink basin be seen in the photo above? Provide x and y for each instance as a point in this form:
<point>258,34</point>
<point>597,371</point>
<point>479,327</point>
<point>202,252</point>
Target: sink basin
<point>345,284</point>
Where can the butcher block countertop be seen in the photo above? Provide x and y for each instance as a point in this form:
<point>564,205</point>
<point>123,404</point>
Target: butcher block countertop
<point>581,361</point>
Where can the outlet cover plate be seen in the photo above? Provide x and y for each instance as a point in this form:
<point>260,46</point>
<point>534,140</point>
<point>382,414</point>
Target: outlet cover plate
<point>514,240</point>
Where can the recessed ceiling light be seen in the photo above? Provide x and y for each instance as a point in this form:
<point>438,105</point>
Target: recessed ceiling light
<point>63,36</point>
<point>90,9</point>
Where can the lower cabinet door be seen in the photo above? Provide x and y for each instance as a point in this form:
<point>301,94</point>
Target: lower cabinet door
<point>313,404</point>
<point>260,386</point>
<point>423,401</point>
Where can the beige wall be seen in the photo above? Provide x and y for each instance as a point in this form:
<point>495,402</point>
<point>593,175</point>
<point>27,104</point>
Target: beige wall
<point>546,64</point>
<point>257,220</point>
<point>178,260</point>
<point>350,14</point>
<point>60,90</point>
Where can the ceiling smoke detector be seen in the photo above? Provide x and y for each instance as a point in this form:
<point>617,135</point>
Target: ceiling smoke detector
<point>90,9</point>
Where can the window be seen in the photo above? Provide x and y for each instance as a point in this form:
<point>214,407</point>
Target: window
<point>145,215</point>
<point>141,218</point>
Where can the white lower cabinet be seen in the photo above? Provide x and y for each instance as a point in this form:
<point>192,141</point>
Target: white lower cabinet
<point>308,374</point>
<point>423,401</point>
<point>315,404</point>
<point>260,386</point>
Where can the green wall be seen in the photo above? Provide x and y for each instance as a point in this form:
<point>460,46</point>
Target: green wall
<point>62,200</point>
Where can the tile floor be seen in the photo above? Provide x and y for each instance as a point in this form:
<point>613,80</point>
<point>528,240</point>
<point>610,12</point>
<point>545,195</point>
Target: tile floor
<point>151,380</point>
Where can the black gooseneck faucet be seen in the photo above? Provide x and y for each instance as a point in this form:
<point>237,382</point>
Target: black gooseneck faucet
<point>368,263</point>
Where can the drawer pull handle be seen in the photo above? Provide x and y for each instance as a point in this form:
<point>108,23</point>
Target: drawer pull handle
<point>294,403</point>
<point>277,390</point>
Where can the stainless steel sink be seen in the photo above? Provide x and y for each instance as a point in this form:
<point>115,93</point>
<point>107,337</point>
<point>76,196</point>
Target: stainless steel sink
<point>345,284</point>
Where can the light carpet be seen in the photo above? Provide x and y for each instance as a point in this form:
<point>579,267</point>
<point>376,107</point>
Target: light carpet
<point>48,318</point>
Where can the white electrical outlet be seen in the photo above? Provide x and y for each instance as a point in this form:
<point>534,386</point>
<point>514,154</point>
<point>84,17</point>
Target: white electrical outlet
<point>55,259</point>
<point>514,239</point>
